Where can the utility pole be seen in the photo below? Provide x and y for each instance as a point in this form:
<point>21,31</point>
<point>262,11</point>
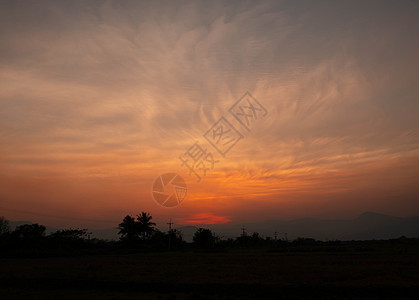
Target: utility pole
<point>276,235</point>
<point>213,239</point>
<point>170,230</point>
<point>243,231</point>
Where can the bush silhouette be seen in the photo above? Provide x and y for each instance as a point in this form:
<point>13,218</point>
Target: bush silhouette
<point>30,232</point>
<point>204,238</point>
<point>4,226</point>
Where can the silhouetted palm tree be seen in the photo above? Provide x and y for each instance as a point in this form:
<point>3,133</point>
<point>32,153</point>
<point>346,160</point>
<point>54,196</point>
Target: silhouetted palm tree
<point>128,229</point>
<point>146,227</point>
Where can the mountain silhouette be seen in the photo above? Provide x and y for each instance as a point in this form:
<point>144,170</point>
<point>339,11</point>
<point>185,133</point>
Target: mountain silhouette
<point>366,226</point>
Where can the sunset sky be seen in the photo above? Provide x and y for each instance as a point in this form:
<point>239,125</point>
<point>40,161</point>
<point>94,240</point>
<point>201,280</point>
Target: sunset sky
<point>98,98</point>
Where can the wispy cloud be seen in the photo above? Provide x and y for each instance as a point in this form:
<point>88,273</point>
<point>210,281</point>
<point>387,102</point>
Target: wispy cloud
<point>98,94</point>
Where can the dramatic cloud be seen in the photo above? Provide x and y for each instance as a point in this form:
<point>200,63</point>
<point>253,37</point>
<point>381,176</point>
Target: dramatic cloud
<point>98,98</point>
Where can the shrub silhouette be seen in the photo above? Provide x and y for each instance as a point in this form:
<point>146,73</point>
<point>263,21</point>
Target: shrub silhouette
<point>30,232</point>
<point>4,226</point>
<point>203,238</point>
<point>68,237</point>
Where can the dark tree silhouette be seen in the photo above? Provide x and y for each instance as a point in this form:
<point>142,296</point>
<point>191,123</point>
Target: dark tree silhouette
<point>69,234</point>
<point>30,232</point>
<point>256,239</point>
<point>176,239</point>
<point>160,240</point>
<point>4,226</point>
<point>128,229</point>
<point>203,238</point>
<point>304,241</point>
<point>68,238</point>
<point>132,230</point>
<point>145,226</point>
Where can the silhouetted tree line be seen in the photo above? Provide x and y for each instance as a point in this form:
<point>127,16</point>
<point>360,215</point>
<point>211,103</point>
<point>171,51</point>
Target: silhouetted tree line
<point>140,233</point>
<point>32,237</point>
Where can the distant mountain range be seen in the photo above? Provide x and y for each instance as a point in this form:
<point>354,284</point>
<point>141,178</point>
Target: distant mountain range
<point>367,226</point>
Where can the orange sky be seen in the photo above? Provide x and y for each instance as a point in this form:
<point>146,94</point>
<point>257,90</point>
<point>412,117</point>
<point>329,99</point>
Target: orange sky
<point>99,99</point>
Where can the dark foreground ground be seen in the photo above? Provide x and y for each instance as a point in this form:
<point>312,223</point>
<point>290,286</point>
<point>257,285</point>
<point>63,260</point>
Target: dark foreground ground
<point>384,272</point>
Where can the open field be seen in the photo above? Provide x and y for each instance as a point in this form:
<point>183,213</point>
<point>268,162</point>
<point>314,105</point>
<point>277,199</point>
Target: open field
<point>386,272</point>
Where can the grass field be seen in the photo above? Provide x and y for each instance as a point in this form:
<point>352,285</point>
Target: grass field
<point>385,272</point>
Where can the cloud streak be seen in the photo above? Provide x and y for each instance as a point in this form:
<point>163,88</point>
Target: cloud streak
<point>106,95</point>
